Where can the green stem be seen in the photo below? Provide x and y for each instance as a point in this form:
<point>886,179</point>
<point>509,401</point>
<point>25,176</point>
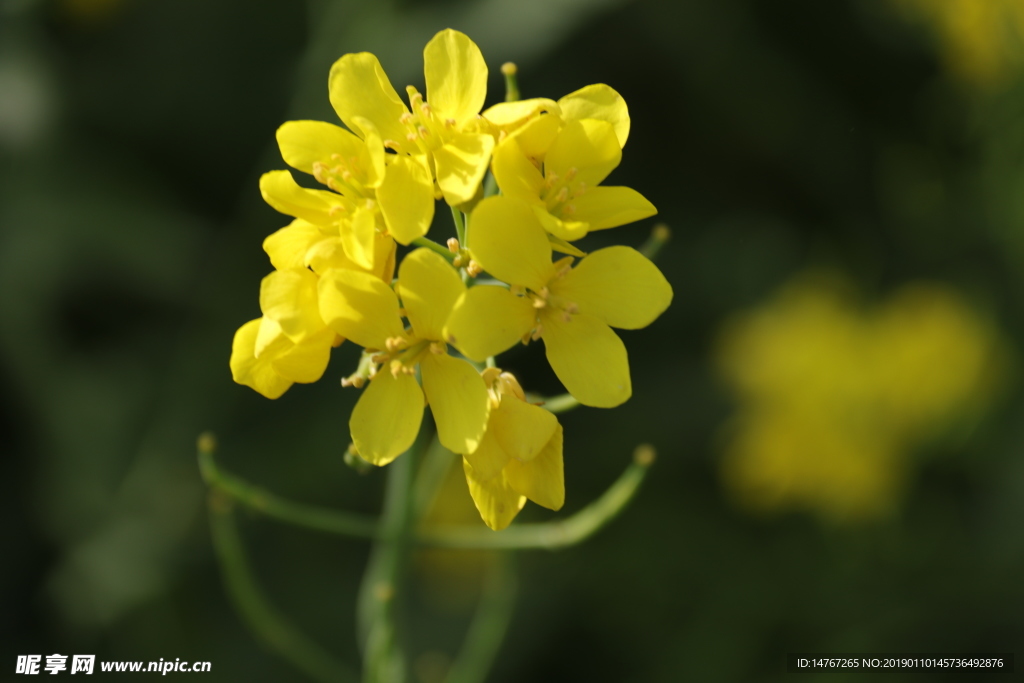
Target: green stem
<point>562,403</point>
<point>312,517</point>
<point>659,237</point>
<point>550,535</point>
<point>382,591</point>
<point>434,246</point>
<point>489,625</point>
<point>256,611</point>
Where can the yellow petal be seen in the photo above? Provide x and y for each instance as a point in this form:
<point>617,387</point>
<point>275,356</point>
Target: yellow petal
<point>489,459</point>
<point>497,503</point>
<point>289,246</point>
<point>508,241</point>
<point>251,371</point>
<point>357,237</point>
<point>289,297</point>
<point>563,247</point>
<point>370,168</point>
<point>562,229</point>
<point>542,479</point>
<point>271,340</point>
<point>460,165</point>
<point>536,136</point>
<point>588,358</point>
<point>610,207</point>
<point>305,143</point>
<point>487,320</point>
<point>458,399</point>
<point>619,285</point>
<point>360,307</point>
<point>511,115</point>
<point>589,146</point>
<point>598,101</point>
<point>358,88</point>
<point>429,287</point>
<point>281,191</point>
<point>386,420</point>
<point>522,430</point>
<point>406,198</point>
<point>456,76</point>
<point>515,173</point>
<point>306,362</point>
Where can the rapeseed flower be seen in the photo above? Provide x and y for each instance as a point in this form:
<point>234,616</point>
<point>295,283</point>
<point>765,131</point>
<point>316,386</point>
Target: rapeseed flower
<point>367,311</point>
<point>442,133</point>
<point>833,398</point>
<point>558,173</point>
<point>334,264</point>
<point>571,309</point>
<point>519,458</point>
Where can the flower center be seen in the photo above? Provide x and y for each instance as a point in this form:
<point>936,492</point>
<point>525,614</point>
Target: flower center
<point>558,192</point>
<point>424,128</point>
<point>345,176</point>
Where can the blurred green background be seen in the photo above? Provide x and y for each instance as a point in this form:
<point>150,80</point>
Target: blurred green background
<point>845,185</point>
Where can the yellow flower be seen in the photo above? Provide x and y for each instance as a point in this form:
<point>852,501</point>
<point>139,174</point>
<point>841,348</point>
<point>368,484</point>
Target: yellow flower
<point>519,457</point>
<point>279,361</point>
<point>290,343</point>
<point>571,309</point>
<point>557,169</point>
<point>444,131</point>
<point>833,398</point>
<point>364,309</point>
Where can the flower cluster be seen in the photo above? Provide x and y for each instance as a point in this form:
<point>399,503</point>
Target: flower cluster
<point>834,398</point>
<point>428,335</point>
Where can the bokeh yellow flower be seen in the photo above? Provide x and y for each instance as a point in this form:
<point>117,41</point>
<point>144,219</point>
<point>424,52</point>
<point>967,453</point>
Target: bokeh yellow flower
<point>833,398</point>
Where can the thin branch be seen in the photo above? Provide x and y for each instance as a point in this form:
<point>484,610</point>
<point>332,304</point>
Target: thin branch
<point>271,505</point>
<point>265,623</point>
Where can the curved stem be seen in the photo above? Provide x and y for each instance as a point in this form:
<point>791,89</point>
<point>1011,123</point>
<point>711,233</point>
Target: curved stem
<point>434,246</point>
<point>550,535</point>
<point>254,608</point>
<point>490,622</point>
<point>253,497</point>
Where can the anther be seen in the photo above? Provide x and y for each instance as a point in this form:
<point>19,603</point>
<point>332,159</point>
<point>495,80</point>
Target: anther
<point>405,118</point>
<point>450,123</point>
<point>572,308</point>
<point>391,144</point>
<point>453,245</point>
<point>537,333</point>
<point>566,317</point>
<point>423,131</point>
<point>568,209</point>
<point>474,268</point>
<point>396,367</point>
<point>438,348</point>
<point>411,137</point>
<point>539,303</point>
<point>335,210</point>
<point>562,195</point>
<point>570,174</point>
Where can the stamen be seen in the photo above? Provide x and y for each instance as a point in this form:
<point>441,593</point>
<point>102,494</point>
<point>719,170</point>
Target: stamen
<point>423,131</point>
<point>404,119</point>
<point>450,123</point>
<point>537,333</point>
<point>453,245</point>
<point>474,268</point>
<point>438,348</point>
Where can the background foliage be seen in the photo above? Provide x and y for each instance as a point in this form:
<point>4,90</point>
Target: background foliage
<point>880,141</point>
